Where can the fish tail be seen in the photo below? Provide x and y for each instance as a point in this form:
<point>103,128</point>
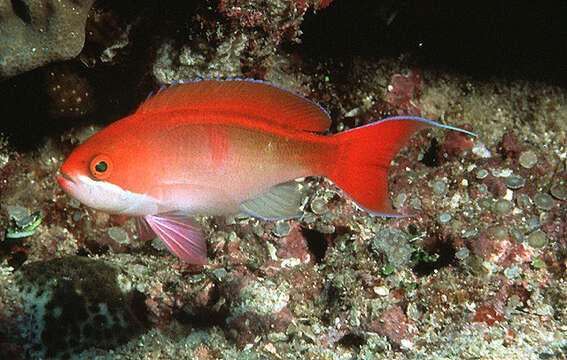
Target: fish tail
<point>363,159</point>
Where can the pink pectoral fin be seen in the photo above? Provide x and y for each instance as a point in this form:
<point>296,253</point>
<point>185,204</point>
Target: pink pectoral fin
<point>145,232</point>
<point>181,235</point>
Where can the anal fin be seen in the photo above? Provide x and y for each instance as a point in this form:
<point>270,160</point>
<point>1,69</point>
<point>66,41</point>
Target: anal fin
<point>282,201</point>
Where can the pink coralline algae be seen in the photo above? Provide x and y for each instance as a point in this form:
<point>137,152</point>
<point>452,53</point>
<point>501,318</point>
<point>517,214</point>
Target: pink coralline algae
<point>487,315</point>
<point>403,89</point>
<point>510,147</point>
<point>247,18</point>
<point>273,18</point>
<point>295,246</point>
<point>503,251</point>
<point>457,142</point>
<point>323,4</point>
<point>393,324</point>
<point>303,5</point>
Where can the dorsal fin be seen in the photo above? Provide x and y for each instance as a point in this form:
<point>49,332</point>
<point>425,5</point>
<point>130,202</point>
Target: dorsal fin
<point>260,100</point>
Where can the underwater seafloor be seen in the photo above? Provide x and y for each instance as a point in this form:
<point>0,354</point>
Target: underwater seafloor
<point>476,272</point>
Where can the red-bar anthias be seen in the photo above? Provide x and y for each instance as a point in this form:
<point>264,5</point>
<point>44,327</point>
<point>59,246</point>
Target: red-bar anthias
<point>216,147</point>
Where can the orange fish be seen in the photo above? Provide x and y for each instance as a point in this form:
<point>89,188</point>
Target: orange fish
<point>216,147</point>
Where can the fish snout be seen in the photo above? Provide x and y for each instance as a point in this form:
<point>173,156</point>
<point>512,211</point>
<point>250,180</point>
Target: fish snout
<point>65,181</point>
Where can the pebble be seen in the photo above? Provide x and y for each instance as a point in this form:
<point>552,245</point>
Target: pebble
<point>281,229</point>
<point>74,203</point>
<point>485,203</point>
<point>241,218</point>
<point>482,188</point>
<point>415,203</point>
<point>325,228</point>
<point>219,274</point>
<point>470,233</point>
<point>517,235</point>
<point>481,174</point>
<point>559,191</point>
<point>319,206</point>
<point>503,207</point>
<point>528,159</point>
<point>480,150</point>
<point>381,290</point>
<point>258,230</point>
<point>439,187</point>
<point>413,311</point>
<point>532,222</point>
<point>523,200</point>
<point>544,201</point>
<point>502,172</point>
<point>158,244</point>
<point>499,232</point>
<point>463,253</point>
<point>118,234</point>
<point>272,251</point>
<point>77,215</point>
<point>509,195</point>
<point>537,239</point>
<point>456,200</point>
<point>277,337</point>
<point>515,182</point>
<point>17,212</point>
<point>445,218</point>
<point>399,200</point>
<point>196,279</point>
<point>512,272</point>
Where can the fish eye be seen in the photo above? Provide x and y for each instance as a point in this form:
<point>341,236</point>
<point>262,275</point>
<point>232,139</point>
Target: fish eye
<point>100,166</point>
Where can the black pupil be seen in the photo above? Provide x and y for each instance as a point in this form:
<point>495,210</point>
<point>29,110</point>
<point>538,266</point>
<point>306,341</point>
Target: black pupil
<point>101,166</point>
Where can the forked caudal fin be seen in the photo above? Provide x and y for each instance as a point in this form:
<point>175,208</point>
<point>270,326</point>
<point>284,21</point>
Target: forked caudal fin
<point>364,156</point>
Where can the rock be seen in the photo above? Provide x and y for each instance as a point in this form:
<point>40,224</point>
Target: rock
<point>537,239</point>
<point>515,182</point>
<point>544,201</point>
<point>37,32</point>
<point>395,245</point>
<point>259,308</point>
<point>74,303</point>
<point>70,94</point>
<point>528,159</point>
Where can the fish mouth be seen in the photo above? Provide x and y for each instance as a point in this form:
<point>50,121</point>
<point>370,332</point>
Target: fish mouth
<point>65,180</point>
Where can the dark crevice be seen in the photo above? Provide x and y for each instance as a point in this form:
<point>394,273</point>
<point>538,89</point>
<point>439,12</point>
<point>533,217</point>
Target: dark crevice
<point>22,11</point>
<point>445,257</point>
<point>202,318</point>
<point>330,300</point>
<point>352,340</point>
<point>316,243</point>
<point>430,156</point>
